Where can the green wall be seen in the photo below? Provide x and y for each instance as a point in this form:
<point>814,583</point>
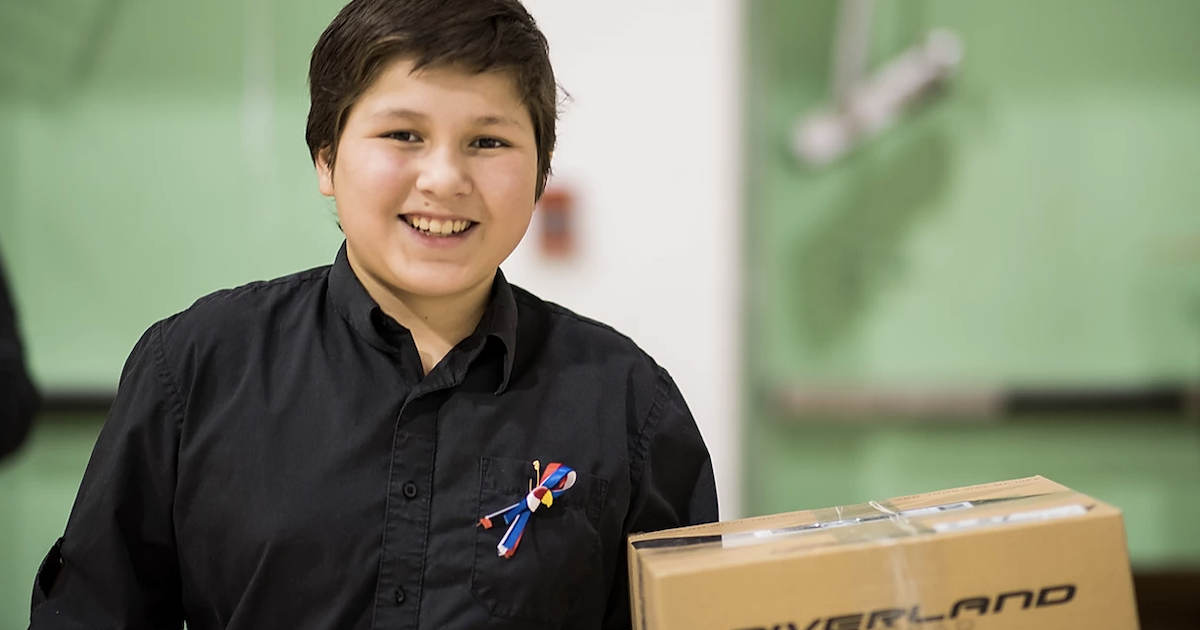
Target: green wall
<point>162,171</point>
<point>1037,225</point>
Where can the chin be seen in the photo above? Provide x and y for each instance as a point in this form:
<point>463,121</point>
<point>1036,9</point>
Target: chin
<point>434,284</point>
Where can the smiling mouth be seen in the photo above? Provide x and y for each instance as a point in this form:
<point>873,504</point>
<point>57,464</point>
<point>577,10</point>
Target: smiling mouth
<point>437,227</point>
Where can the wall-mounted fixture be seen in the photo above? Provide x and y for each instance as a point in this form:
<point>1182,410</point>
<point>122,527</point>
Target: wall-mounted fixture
<point>865,106</point>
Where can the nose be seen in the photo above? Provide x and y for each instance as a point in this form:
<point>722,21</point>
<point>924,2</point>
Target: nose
<point>443,174</point>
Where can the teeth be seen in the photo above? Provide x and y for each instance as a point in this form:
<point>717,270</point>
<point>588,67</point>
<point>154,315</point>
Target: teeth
<point>438,226</point>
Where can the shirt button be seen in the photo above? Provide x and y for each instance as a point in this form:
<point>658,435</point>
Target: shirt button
<point>410,490</point>
<point>399,595</point>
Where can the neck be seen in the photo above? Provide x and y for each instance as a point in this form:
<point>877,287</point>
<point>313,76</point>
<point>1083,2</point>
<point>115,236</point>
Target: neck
<point>437,323</point>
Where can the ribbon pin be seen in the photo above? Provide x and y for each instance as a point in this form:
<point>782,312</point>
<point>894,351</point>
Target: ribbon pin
<point>556,479</point>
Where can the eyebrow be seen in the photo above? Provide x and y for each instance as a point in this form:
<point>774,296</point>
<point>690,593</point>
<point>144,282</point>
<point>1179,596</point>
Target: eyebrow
<point>410,114</point>
<point>497,120</point>
<point>400,112</point>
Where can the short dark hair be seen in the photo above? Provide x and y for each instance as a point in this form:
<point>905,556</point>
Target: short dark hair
<point>474,35</point>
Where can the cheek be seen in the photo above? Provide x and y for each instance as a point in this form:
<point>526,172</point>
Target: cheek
<point>509,188</point>
<point>370,177</point>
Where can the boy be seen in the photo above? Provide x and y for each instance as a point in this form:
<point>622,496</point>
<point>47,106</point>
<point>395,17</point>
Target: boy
<point>403,439</point>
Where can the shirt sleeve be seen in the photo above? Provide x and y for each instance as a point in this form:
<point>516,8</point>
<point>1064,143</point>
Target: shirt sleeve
<point>673,483</point>
<point>18,398</point>
<point>116,565</point>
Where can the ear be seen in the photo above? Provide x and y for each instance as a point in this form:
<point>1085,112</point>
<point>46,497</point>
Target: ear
<point>324,172</point>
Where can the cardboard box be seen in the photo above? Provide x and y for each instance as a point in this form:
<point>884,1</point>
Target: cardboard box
<point>1028,554</point>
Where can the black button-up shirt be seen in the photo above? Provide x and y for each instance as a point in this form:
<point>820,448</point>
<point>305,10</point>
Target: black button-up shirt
<point>275,458</point>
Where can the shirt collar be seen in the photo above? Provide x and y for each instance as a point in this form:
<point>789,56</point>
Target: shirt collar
<point>500,322</point>
<point>351,300</point>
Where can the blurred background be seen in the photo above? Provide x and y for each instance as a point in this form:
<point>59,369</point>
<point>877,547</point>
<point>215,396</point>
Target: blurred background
<point>884,248</point>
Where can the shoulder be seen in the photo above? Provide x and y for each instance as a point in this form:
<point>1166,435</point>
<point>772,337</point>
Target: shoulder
<point>233,321</point>
<point>558,339</point>
<point>580,337</point>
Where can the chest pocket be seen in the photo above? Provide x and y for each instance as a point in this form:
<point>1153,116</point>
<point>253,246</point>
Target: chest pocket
<point>559,548</point>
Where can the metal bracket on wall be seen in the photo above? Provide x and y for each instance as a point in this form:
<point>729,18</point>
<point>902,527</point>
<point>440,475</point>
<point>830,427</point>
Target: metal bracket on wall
<point>76,403</point>
<point>848,404</point>
<point>865,106</point>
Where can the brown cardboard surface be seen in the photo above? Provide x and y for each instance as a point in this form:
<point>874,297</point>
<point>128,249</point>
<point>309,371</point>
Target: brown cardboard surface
<point>1027,554</point>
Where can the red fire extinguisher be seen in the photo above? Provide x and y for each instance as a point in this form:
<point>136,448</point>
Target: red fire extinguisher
<point>556,209</point>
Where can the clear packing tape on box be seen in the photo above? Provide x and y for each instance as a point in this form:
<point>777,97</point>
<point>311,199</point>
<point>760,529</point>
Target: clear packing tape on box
<point>896,532</point>
<point>877,521</point>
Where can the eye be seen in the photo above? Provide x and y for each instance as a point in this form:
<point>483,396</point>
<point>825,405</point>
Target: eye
<point>403,136</point>
<point>489,143</point>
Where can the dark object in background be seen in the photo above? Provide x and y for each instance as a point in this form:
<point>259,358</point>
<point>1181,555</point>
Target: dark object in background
<point>1167,599</point>
<point>18,397</point>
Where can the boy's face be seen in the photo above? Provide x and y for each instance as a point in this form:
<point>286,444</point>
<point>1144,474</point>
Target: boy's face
<point>434,179</point>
